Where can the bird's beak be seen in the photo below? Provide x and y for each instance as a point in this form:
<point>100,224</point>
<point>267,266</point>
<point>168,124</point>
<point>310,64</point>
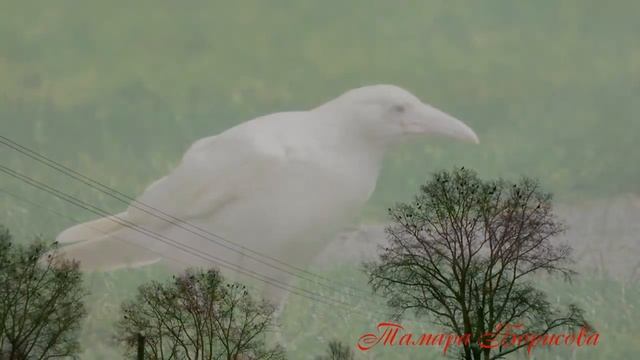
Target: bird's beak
<point>432,121</point>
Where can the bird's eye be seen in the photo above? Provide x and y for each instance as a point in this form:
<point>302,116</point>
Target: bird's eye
<point>399,108</point>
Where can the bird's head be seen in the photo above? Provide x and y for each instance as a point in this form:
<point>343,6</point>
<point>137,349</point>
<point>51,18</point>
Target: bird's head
<point>392,114</point>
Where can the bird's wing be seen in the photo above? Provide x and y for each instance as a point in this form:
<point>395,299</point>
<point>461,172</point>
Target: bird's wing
<point>214,172</point>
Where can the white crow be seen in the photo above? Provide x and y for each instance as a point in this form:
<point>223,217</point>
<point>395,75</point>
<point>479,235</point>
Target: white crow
<point>279,185</point>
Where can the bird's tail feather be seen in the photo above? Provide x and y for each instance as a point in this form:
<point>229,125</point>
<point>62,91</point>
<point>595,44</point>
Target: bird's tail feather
<point>92,230</point>
<point>108,253</point>
<point>98,246</point>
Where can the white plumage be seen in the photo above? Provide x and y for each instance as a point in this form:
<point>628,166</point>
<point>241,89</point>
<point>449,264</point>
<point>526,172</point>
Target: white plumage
<point>279,184</point>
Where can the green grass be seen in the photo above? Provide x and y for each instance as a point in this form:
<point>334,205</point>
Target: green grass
<point>118,89</point>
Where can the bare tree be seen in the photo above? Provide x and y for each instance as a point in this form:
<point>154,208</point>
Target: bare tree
<point>198,316</point>
<point>337,351</point>
<point>464,253</point>
<point>40,302</point>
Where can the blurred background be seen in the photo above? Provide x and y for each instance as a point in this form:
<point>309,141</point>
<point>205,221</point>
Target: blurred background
<point>117,90</point>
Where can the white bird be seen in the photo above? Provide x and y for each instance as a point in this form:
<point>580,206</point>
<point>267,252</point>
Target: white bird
<point>279,185</point>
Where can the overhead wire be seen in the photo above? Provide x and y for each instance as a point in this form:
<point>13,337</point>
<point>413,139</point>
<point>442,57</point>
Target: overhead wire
<point>183,224</point>
<point>295,290</point>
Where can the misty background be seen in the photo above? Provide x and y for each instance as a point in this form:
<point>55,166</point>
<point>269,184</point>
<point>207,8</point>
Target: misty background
<point>117,90</point>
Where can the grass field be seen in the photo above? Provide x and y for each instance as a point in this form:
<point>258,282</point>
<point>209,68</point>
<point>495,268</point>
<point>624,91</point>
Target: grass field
<point>118,89</point>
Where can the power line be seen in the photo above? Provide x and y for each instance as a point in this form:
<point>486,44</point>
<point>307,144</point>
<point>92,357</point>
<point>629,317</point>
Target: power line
<point>310,295</point>
<point>185,248</point>
<point>174,220</point>
<point>73,220</point>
